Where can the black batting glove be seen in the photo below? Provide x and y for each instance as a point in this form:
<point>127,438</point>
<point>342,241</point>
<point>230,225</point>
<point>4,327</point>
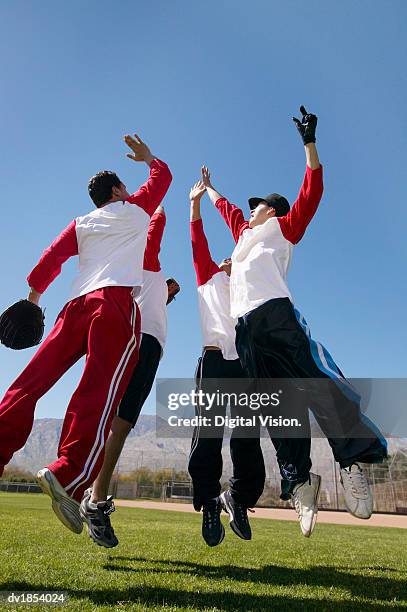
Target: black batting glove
<point>306,126</point>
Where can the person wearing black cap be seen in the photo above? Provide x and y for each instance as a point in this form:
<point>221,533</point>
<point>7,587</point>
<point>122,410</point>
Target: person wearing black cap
<point>273,340</point>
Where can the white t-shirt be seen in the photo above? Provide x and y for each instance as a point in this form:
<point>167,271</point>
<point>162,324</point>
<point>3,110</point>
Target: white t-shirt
<point>218,327</point>
<point>152,301</point>
<point>260,263</point>
<point>111,242</point>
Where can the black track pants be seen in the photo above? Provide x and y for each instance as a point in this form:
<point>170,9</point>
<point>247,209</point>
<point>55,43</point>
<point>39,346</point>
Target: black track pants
<point>142,379</point>
<point>205,462</point>
<point>273,341</point>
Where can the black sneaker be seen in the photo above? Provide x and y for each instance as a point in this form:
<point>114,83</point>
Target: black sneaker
<point>238,518</point>
<point>213,531</point>
<point>97,519</point>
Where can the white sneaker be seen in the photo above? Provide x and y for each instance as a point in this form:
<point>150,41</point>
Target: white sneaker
<point>358,495</point>
<point>305,497</point>
<point>64,506</point>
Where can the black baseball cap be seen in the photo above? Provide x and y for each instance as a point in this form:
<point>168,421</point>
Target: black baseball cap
<point>274,200</point>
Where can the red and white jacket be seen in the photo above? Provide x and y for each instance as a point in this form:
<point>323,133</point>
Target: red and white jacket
<point>110,241</point>
<point>218,327</point>
<point>152,299</point>
<point>262,255</point>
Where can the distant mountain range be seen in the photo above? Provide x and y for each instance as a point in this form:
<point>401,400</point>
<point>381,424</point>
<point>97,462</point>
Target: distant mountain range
<point>143,448</point>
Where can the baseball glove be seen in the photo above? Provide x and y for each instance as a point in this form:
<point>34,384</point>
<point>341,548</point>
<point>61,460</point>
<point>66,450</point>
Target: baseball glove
<point>22,325</point>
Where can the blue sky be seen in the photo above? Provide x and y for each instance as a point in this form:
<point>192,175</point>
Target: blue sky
<point>214,83</point>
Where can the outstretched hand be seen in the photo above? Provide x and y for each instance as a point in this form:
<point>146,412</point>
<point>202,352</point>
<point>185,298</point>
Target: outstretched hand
<point>306,126</point>
<point>206,176</point>
<point>197,191</point>
<point>141,152</point>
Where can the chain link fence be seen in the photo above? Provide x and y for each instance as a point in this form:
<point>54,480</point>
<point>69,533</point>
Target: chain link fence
<point>163,476</point>
<point>388,481</point>
<point>19,487</point>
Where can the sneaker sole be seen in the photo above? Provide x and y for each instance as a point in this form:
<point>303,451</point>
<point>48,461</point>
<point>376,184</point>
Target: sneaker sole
<point>314,518</point>
<point>51,487</point>
<point>90,533</point>
<point>232,524</point>
<point>361,518</point>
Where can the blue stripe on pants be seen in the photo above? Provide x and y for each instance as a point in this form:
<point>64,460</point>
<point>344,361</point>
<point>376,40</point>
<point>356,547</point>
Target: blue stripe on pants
<point>327,365</point>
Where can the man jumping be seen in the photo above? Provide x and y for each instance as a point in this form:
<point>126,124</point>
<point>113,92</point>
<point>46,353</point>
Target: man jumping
<point>273,340</point>
<point>100,321</point>
<point>218,363</point>
<point>152,300</point>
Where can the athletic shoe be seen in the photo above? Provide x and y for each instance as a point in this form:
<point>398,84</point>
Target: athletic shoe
<point>64,506</point>
<point>213,531</point>
<point>305,497</point>
<point>358,495</point>
<point>238,518</point>
<point>97,519</point>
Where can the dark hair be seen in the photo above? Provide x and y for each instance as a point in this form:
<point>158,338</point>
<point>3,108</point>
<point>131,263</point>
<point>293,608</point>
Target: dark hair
<point>100,186</point>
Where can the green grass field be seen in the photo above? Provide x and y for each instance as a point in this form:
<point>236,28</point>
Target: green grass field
<point>162,563</point>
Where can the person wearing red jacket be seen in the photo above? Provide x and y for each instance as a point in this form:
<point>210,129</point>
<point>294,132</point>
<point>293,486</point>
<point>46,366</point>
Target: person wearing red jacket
<point>218,367</point>
<point>273,339</point>
<point>100,321</point>
<point>152,300</point>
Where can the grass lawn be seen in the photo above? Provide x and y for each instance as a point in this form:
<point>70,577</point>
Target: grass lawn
<point>162,563</point>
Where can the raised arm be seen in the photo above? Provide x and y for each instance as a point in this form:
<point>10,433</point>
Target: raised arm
<point>149,195</point>
<point>204,265</point>
<point>50,264</point>
<point>232,215</point>
<point>154,238</point>
<point>311,155</point>
<point>294,224</point>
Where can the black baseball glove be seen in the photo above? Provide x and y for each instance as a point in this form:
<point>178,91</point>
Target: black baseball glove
<point>22,325</point>
<point>306,126</point>
<point>175,289</point>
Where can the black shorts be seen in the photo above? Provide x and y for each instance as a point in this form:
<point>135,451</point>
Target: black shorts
<point>142,379</point>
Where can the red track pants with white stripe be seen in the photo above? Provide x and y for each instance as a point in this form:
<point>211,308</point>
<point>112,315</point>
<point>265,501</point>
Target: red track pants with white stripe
<point>104,325</point>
